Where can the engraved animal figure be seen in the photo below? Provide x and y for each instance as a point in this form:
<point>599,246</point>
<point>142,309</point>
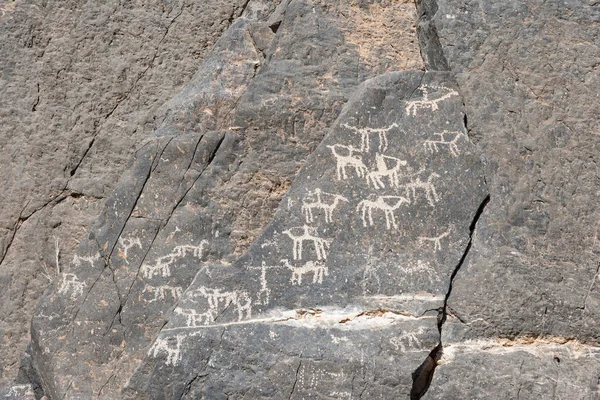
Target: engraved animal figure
<point>299,234</point>
<point>367,206</point>
<point>161,267</point>
<point>425,103</point>
<point>366,132</point>
<point>427,187</point>
<point>161,292</point>
<point>171,346</point>
<point>383,171</point>
<point>432,145</point>
<point>318,269</point>
<point>127,244</point>
<point>409,339</point>
<point>89,259</point>
<point>71,285</point>
<point>196,251</point>
<point>215,298</point>
<point>193,319</point>
<point>20,390</point>
<point>314,199</point>
<point>437,245</point>
<point>348,160</point>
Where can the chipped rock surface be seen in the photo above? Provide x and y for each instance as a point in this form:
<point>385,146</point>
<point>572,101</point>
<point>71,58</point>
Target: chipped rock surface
<point>267,199</point>
<point>356,261</point>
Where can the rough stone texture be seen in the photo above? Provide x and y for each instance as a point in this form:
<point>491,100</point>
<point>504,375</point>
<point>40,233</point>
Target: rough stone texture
<point>528,75</point>
<point>77,83</point>
<point>339,296</point>
<point>223,153</point>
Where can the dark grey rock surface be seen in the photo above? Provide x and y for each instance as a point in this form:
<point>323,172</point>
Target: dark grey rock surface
<point>245,200</point>
<point>223,153</point>
<point>340,295</point>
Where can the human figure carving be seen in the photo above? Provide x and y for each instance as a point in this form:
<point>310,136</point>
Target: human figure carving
<point>171,346</point>
<point>383,171</point>
<point>348,160</point>
<point>314,199</point>
<point>318,269</point>
<point>366,132</point>
<point>367,206</point>
<point>299,234</point>
<point>432,145</point>
<point>425,103</point>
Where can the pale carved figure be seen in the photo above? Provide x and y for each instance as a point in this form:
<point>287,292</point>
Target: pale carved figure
<point>365,134</point>
<point>317,199</point>
<point>163,291</point>
<point>162,265</point>
<point>77,260</point>
<point>428,188</point>
<point>382,203</point>
<point>170,346</point>
<point>385,171</point>
<point>300,234</point>
<point>437,244</point>
<point>263,295</point>
<point>71,285</point>
<point>318,270</point>
<point>433,145</point>
<point>347,159</point>
<point>220,300</point>
<point>413,106</point>
<point>195,319</point>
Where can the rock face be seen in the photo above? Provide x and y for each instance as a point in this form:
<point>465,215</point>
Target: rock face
<point>298,219</point>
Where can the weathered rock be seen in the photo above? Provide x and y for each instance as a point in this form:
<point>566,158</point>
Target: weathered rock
<point>341,292</point>
<point>77,82</point>
<point>528,75</point>
<point>201,189</point>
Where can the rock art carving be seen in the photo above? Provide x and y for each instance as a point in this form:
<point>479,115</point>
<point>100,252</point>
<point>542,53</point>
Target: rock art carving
<point>170,346</point>
<point>71,285</point>
<point>413,106</point>
<point>347,160</point>
<point>416,183</point>
<point>383,171</point>
<point>320,200</point>
<point>408,339</point>
<point>300,234</point>
<point>220,300</point>
<point>162,265</point>
<point>89,259</point>
<point>432,145</point>
<point>263,295</point>
<point>161,292</point>
<point>127,244</point>
<point>318,269</point>
<point>19,391</point>
<point>195,319</point>
<point>437,244</point>
<point>382,203</point>
<point>365,133</point>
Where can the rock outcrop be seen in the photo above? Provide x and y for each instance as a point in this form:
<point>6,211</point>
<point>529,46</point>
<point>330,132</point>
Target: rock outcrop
<point>305,213</point>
